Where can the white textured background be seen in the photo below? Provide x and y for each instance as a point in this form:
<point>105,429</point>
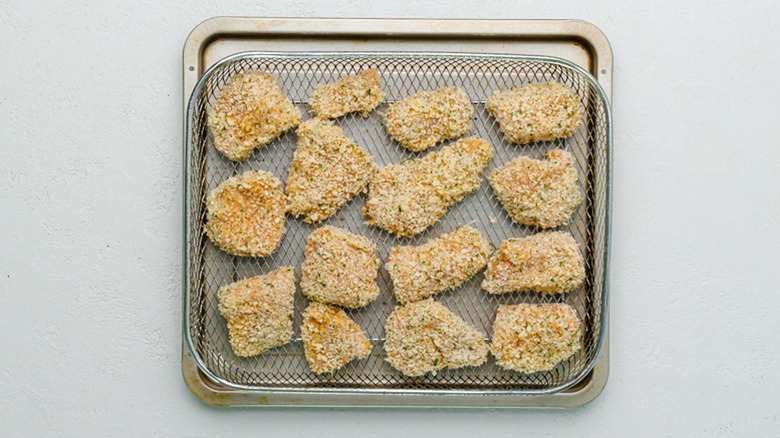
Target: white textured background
<point>90,224</point>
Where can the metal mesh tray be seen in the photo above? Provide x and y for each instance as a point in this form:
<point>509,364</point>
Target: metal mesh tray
<point>284,368</point>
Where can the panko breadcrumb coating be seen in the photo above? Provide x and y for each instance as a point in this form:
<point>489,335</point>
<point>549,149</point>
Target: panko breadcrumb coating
<point>408,197</point>
<point>438,265</point>
<point>331,338</point>
<point>535,337</point>
<point>548,262</point>
<point>250,112</point>
<point>543,193</point>
<point>536,112</point>
<point>428,117</point>
<point>259,311</point>
<point>353,93</point>
<point>328,169</point>
<point>340,268</point>
<point>245,214</point>
<point>425,336</point>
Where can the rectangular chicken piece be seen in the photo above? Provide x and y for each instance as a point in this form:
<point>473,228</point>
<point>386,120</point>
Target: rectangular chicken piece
<point>328,169</point>
<point>529,338</point>
<point>536,112</point>
<point>438,265</point>
<point>408,197</point>
<point>548,262</point>
<point>428,117</point>
<point>259,311</point>
<point>362,92</point>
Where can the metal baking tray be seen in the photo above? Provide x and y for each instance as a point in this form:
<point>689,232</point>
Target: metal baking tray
<point>281,374</point>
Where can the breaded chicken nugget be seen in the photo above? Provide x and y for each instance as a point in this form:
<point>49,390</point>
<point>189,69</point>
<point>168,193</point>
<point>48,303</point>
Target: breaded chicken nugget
<point>245,214</point>
<point>259,311</point>
<point>425,336</point>
<point>406,198</point>
<point>331,338</point>
<point>353,93</point>
<point>340,268</point>
<point>548,262</point>
<point>535,337</point>
<point>543,193</point>
<point>438,265</point>
<point>250,112</point>
<point>328,169</point>
<point>428,117</point>
<point>536,112</point>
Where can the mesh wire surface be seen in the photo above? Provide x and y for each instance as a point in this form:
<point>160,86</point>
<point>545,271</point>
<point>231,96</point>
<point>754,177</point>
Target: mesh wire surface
<point>285,367</point>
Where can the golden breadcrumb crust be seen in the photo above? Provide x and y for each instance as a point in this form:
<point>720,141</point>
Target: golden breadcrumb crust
<point>428,117</point>
<point>535,337</point>
<point>249,113</point>
<point>245,214</point>
<point>362,92</point>
<point>259,311</point>
<point>340,268</point>
<point>331,338</point>
<point>425,336</point>
<point>536,112</point>
<point>438,265</point>
<point>408,197</point>
<point>548,262</point>
<point>328,169</point>
<point>542,193</point>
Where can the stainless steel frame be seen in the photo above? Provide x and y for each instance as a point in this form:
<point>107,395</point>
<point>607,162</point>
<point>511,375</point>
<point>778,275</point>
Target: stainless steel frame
<point>215,388</point>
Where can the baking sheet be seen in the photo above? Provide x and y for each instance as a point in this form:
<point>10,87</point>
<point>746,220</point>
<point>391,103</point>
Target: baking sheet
<point>375,374</point>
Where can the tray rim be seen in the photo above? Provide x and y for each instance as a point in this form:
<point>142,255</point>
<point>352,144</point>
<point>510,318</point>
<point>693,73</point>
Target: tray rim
<point>330,396</point>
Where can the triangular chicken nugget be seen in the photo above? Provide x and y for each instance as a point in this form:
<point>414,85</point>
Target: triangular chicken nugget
<point>331,338</point>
